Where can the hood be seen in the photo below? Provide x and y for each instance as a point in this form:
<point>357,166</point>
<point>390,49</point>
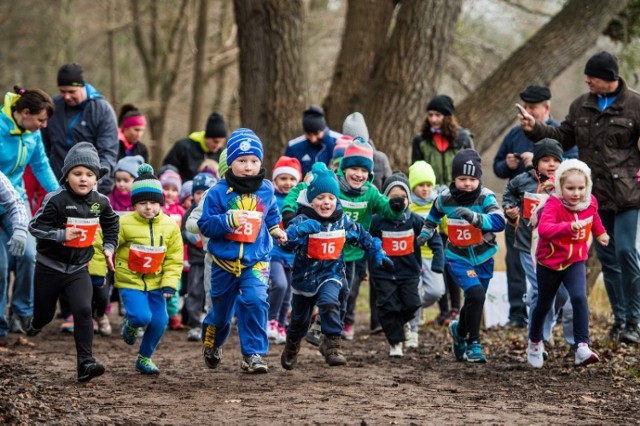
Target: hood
<point>573,164</point>
<point>92,92</point>
<point>198,137</point>
<point>10,99</point>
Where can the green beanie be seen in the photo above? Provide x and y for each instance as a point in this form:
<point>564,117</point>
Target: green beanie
<point>421,172</point>
<point>222,163</point>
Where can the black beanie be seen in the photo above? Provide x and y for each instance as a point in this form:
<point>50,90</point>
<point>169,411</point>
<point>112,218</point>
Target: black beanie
<point>547,147</point>
<point>535,94</point>
<point>70,75</point>
<point>313,119</point>
<point>441,103</point>
<point>602,65</point>
<point>216,127</point>
<point>467,163</point>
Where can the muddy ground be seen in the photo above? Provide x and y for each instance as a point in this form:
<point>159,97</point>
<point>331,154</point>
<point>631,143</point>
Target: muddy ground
<point>427,386</point>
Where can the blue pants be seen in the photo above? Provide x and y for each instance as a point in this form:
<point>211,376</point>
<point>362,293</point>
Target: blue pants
<point>574,279</point>
<point>328,299</point>
<point>146,309</point>
<point>621,264</point>
<point>248,295</point>
<point>279,291</point>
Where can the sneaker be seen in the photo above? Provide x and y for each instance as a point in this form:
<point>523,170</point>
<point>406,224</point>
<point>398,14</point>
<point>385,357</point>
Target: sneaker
<point>67,325</point>
<point>31,330</point>
<point>452,315</point>
<point>289,356</point>
<point>412,341</point>
<point>95,325</point>
<point>254,364</point>
<point>535,354</point>
<point>211,356</point>
<point>129,333</point>
<point>330,349</point>
<point>459,344</point>
<point>141,331</point>
<point>175,323</point>
<point>407,331</point>
<point>516,324</point>
<point>145,366</point>
<point>281,338</point>
<point>89,369</point>
<point>441,318</point>
<point>348,332</point>
<point>16,324</point>
<point>314,335</point>
<point>585,356</point>
<point>104,326</point>
<point>395,351</point>
<point>474,353</point>
<point>630,334</point>
<point>615,330</point>
<point>272,329</point>
<point>194,335</point>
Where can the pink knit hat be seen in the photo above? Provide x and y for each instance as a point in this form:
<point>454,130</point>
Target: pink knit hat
<point>170,178</point>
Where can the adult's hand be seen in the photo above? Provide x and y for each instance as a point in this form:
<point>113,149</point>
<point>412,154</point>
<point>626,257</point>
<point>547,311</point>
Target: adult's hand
<point>527,122</point>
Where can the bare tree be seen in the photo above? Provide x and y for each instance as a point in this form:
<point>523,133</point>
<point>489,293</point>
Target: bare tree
<point>198,65</point>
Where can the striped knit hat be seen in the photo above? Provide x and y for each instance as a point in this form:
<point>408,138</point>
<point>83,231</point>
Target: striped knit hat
<point>358,154</point>
<point>146,187</point>
<point>243,142</point>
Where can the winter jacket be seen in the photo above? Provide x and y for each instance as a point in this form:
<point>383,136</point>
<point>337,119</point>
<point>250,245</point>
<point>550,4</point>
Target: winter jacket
<point>92,121</point>
<point>49,223</point>
<point>188,154</point>
<point>278,254</point>
<point>516,142</point>
<point>21,147</point>
<point>308,153</point>
<point>12,203</point>
<point>161,231</point>
<point>193,241</point>
<point>175,211</point>
<point>492,221</point>
<point>607,141</point>
<point>98,263</point>
<point>234,256</point>
<point>425,149</point>
<point>558,245</point>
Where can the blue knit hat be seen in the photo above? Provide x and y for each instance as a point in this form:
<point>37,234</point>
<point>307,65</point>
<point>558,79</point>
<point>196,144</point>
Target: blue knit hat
<point>243,142</point>
<point>203,181</point>
<point>358,154</point>
<point>146,187</point>
<point>322,181</point>
<point>129,165</point>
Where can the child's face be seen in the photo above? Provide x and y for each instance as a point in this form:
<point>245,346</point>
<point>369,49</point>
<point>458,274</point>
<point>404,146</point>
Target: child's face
<point>197,196</point>
<point>81,180</point>
<point>186,203</point>
<point>148,209</point>
<point>285,182</point>
<point>247,165</point>
<point>356,176</point>
<point>397,191</point>
<point>548,165</point>
<point>574,188</point>
<point>324,204</point>
<point>124,181</point>
<point>423,190</point>
<point>466,183</point>
<point>171,194</point>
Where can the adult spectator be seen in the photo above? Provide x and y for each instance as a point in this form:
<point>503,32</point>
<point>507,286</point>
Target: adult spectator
<point>514,157</point>
<point>317,142</point>
<point>605,125</point>
<point>190,155</point>
<point>132,126</point>
<point>82,115</point>
<point>22,116</point>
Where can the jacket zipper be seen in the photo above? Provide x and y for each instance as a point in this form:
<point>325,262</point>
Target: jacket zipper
<point>151,238</point>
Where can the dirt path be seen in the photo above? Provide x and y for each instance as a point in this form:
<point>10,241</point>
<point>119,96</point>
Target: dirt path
<point>425,387</point>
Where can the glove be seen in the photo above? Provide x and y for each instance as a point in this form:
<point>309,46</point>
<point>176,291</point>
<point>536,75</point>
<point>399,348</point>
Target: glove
<point>387,264</point>
<point>422,238</point>
<point>168,292</point>
<point>18,243</point>
<point>397,204</point>
<point>472,217</point>
<point>309,226</point>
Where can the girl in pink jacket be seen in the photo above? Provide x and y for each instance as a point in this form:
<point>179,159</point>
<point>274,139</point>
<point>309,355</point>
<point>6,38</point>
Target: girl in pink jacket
<point>569,217</point>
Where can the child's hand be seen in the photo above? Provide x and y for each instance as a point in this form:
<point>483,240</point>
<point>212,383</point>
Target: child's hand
<point>108,254</point>
<point>72,233</point>
<point>512,212</point>
<point>578,225</point>
<point>237,218</point>
<point>280,236</point>
<point>309,226</point>
<point>168,292</point>
<point>604,239</point>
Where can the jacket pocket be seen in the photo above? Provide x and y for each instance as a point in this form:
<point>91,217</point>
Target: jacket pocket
<point>618,132</point>
<point>626,188</point>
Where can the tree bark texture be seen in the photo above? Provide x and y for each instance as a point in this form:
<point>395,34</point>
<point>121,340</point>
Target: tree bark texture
<point>489,110</point>
<point>365,35</point>
<point>408,73</point>
<point>199,82</point>
<point>273,76</point>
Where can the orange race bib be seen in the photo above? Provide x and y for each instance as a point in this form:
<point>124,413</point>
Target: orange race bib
<point>463,234</point>
<point>146,259</point>
<point>530,201</point>
<point>398,243</point>
<point>247,233</point>
<point>326,245</point>
<point>88,228</point>
<point>581,236</point>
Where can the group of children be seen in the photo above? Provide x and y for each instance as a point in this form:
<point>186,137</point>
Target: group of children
<point>273,274</point>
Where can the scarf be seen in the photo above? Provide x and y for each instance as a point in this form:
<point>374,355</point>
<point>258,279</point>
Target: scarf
<point>348,190</point>
<point>245,184</point>
<point>464,198</point>
<point>120,201</point>
<point>424,201</point>
<point>311,213</point>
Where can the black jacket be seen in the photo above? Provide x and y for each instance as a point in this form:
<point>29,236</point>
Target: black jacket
<point>187,156</point>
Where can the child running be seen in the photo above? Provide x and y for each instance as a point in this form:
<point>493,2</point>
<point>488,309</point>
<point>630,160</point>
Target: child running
<point>318,236</point>
<point>65,228</point>
<point>240,215</point>
<point>473,216</point>
<point>569,217</point>
<point>148,267</point>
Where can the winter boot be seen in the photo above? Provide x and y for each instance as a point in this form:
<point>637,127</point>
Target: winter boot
<point>289,356</point>
<point>330,349</point>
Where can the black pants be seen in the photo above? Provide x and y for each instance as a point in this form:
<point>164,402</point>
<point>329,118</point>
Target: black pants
<point>355,272</point>
<point>397,303</point>
<point>101,295</point>
<point>451,290</point>
<point>516,278</point>
<point>49,285</point>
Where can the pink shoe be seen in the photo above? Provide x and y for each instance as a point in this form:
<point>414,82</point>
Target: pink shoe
<point>348,332</point>
<point>272,329</point>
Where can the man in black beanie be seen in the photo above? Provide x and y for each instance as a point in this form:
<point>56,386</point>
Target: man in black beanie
<point>605,125</point>
<point>195,152</point>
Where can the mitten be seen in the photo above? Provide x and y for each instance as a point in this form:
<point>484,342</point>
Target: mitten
<point>472,217</point>
<point>397,204</point>
<point>18,243</point>
<point>422,238</point>
<point>168,292</point>
<point>309,226</point>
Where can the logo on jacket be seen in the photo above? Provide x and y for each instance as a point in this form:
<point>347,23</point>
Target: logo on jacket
<point>471,273</point>
<point>95,209</point>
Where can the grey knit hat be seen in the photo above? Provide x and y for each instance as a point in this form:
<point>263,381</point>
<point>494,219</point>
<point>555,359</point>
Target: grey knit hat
<point>83,154</point>
<point>354,126</point>
<point>397,179</point>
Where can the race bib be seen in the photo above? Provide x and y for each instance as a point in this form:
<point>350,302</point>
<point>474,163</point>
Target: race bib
<point>88,228</point>
<point>398,243</point>
<point>146,259</point>
<point>581,236</point>
<point>355,210</point>
<point>530,201</point>
<point>247,233</point>
<point>326,245</point>
<point>463,234</point>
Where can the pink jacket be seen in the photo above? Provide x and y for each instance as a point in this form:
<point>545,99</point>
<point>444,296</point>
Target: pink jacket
<point>559,246</point>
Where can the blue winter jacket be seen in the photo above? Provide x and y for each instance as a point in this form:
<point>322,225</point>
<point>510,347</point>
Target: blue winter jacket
<point>308,153</point>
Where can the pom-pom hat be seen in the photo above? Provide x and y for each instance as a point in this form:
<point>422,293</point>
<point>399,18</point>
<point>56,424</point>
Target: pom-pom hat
<point>358,154</point>
<point>321,181</point>
<point>146,187</point>
<point>287,166</point>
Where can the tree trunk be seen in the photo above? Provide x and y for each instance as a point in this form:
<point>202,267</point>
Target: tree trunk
<point>197,100</point>
<point>365,34</point>
<point>408,73</point>
<point>489,110</point>
<point>273,76</point>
